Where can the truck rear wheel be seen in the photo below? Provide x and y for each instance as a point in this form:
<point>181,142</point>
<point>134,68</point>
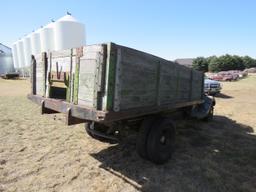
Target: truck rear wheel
<point>161,141</point>
<point>156,139</point>
<point>141,144</point>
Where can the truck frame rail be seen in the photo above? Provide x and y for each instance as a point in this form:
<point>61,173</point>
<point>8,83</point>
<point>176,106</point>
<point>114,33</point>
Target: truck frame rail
<point>79,114</point>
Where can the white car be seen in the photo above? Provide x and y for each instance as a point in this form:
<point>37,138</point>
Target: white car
<point>211,87</point>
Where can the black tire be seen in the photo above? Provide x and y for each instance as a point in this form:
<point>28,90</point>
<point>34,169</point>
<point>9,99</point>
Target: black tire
<point>98,127</point>
<point>209,117</point>
<point>214,94</point>
<point>141,143</point>
<point>186,113</point>
<point>87,128</point>
<point>161,141</point>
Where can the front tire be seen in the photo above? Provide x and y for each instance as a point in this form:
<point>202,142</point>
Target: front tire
<point>99,132</point>
<point>209,117</point>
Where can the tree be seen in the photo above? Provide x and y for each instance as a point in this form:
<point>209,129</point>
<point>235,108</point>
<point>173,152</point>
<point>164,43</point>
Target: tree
<point>214,64</point>
<point>238,62</point>
<point>210,58</point>
<point>249,62</point>
<point>225,63</point>
<point>200,64</point>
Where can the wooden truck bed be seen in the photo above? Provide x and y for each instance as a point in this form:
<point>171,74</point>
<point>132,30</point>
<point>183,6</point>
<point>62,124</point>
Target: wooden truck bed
<point>109,82</point>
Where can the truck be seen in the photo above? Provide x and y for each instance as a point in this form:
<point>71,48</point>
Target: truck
<point>109,87</point>
<point>212,87</point>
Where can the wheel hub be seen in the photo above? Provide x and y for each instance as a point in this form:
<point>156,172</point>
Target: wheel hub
<point>163,140</point>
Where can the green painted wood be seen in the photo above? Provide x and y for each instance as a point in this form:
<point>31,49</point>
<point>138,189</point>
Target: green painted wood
<point>33,75</point>
<point>68,90</point>
<point>44,69</point>
<point>111,76</point>
<point>76,81</point>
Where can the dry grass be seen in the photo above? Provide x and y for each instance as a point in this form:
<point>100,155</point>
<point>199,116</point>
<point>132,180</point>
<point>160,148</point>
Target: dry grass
<point>39,153</point>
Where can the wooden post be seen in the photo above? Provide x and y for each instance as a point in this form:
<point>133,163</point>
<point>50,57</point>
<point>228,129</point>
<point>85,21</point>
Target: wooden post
<point>33,75</point>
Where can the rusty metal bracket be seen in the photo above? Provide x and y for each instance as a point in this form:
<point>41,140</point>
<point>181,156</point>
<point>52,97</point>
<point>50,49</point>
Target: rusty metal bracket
<point>70,120</point>
<point>45,110</point>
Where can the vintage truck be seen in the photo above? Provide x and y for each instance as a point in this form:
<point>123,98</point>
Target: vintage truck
<point>109,87</point>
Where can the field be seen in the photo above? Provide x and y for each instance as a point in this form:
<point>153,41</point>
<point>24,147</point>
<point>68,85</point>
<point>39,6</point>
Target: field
<point>40,153</point>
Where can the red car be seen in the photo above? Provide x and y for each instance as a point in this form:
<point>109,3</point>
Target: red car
<point>227,77</point>
<point>216,77</point>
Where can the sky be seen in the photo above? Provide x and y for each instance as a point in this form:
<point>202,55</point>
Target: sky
<point>167,28</point>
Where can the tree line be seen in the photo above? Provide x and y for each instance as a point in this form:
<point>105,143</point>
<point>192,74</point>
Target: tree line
<point>223,63</point>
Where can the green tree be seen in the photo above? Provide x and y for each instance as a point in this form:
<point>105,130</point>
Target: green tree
<point>210,58</point>
<point>200,64</point>
<point>238,62</point>
<point>214,64</point>
<point>249,62</point>
<point>225,63</point>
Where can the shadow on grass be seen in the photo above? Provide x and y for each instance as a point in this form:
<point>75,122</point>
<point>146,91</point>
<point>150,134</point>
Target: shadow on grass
<point>214,156</point>
<point>223,96</point>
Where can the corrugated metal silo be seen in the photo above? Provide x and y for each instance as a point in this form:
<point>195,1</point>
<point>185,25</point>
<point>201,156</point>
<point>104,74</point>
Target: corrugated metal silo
<point>6,62</point>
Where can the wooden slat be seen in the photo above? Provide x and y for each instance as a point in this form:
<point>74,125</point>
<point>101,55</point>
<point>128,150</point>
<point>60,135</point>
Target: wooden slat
<point>147,80</point>
<point>89,75</point>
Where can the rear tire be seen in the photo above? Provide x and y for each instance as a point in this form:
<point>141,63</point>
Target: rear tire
<point>142,137</point>
<point>161,141</point>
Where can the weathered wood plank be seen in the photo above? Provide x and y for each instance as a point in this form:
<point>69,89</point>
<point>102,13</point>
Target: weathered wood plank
<point>89,75</point>
<point>147,80</point>
<point>40,74</point>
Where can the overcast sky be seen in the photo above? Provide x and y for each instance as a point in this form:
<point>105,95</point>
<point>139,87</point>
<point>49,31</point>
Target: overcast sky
<point>170,29</point>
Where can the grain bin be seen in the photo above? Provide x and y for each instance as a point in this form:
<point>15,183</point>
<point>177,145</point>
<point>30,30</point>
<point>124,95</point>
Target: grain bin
<point>36,42</point>
<point>47,38</point>
<point>20,51</point>
<point>15,56</point>
<point>27,50</point>
<point>68,33</point>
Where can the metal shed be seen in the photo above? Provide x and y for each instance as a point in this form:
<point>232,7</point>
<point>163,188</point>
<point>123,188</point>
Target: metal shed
<point>6,62</point>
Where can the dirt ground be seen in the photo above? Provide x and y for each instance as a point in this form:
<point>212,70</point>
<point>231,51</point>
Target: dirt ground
<point>40,153</point>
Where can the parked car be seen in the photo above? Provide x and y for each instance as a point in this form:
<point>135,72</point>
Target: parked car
<point>216,77</point>
<point>211,87</point>
<point>227,77</point>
